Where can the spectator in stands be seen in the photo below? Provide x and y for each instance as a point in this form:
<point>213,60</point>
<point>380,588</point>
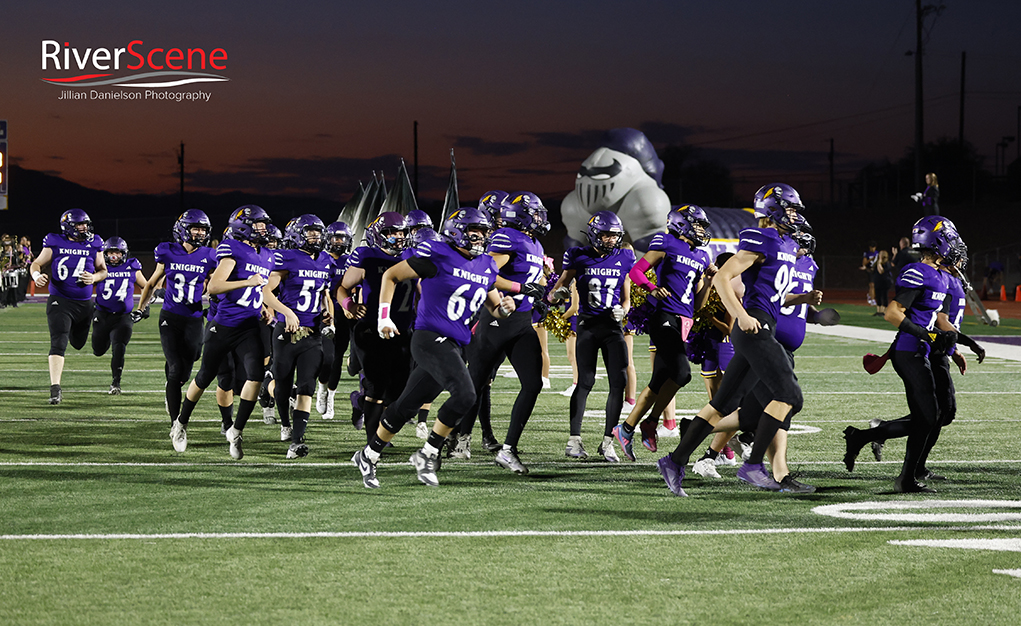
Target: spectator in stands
<point>26,259</point>
<point>9,265</point>
<point>868,265</point>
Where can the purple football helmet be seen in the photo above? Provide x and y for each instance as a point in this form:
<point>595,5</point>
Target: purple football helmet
<point>244,220</point>
<point>958,256</point>
<point>418,218</point>
<point>605,222</point>
<point>339,238</point>
<point>116,244</point>
<point>456,229</point>
<point>424,234</point>
<point>274,238</point>
<point>937,234</point>
<point>691,222</point>
<point>492,202</point>
<point>299,233</point>
<point>525,212</point>
<point>192,218</point>
<point>387,232</point>
<point>774,201</point>
<point>69,222</point>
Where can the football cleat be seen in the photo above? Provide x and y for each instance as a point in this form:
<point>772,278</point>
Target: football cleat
<point>462,449</point>
<point>852,447</point>
<point>575,450</point>
<point>758,476</point>
<point>330,395</point>
<point>297,451</point>
<point>285,433</point>
<point>422,430</point>
<point>649,436</point>
<point>322,395</point>
<point>55,395</point>
<point>706,468</point>
<point>910,486</point>
<point>269,415</point>
<point>179,436</point>
<point>234,438</point>
<point>115,389</point>
<point>567,393</point>
<point>607,451</point>
<point>367,468</point>
<point>508,459</point>
<point>877,446</point>
<point>425,466</point>
<point>489,441</point>
<point>673,474</point>
<point>789,485</point>
<point>626,441</point>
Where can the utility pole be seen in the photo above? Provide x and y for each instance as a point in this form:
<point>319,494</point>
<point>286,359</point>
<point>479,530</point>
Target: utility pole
<point>832,196</point>
<point>416,157</point>
<point>180,164</point>
<point>960,121</point>
<point>919,119</point>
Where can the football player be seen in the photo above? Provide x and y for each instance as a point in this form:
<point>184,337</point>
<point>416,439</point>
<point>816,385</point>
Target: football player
<point>115,299</point>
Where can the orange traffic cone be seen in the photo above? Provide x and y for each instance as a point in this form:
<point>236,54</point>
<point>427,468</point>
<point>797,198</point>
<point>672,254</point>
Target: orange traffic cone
<point>31,287</point>
<point>1017,294</point>
<point>1003,293</point>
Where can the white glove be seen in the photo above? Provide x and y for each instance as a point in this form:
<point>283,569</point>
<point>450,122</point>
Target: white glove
<point>618,313</point>
<point>560,295</point>
<point>329,331</point>
<point>385,325</point>
<point>916,197</point>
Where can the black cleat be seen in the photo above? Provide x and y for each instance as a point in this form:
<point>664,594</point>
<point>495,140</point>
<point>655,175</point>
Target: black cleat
<point>928,474</point>
<point>853,447</point>
<point>489,442</point>
<point>55,395</point>
<point>877,446</point>
<point>789,485</point>
<point>911,486</point>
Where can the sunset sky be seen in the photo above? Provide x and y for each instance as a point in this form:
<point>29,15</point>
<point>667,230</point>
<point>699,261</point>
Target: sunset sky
<point>321,94</point>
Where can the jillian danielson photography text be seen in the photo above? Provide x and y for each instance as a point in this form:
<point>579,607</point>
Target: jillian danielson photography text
<point>147,94</point>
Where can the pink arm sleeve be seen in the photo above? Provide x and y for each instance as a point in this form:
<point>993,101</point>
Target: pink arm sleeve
<point>637,275</point>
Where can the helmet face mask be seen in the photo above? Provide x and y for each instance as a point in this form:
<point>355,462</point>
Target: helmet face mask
<point>492,202</point>
<point>338,238</point>
<point>118,248</point>
<point>388,233</point>
<point>193,227</point>
<point>76,225</point>
<point>251,223</point>
<point>605,232</point>
<point>469,228</point>
<point>525,212</point>
<point>274,238</point>
<point>306,232</point>
<point>936,234</point>
<point>782,204</point>
<point>691,222</point>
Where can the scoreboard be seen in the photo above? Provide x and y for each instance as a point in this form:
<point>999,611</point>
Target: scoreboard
<point>3,165</point>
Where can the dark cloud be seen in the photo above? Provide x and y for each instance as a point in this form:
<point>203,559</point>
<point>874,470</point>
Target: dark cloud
<point>667,133</point>
<point>481,147</point>
<point>583,140</point>
<point>56,158</point>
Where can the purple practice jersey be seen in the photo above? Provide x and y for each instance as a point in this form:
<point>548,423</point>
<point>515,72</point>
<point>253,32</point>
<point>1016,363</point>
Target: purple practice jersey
<point>790,326</point>
<point>932,284</point>
<point>239,305</point>
<point>116,293</point>
<point>185,272</point>
<point>375,262</point>
<point>451,297</point>
<point>600,278</point>
<point>525,263</point>
<point>679,271</point>
<point>767,284</point>
<point>956,302</point>
<point>337,268</point>
<point>301,290</point>
<point>69,260</point>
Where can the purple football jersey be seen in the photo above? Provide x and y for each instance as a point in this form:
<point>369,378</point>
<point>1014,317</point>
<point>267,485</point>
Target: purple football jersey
<point>451,297</point>
<point>238,305</point>
<point>525,264</point>
<point>301,290</point>
<point>185,275</point>
<point>375,262</point>
<point>790,326</point>
<point>116,293</point>
<point>767,284</point>
<point>956,303</point>
<point>337,269</point>
<point>679,271</point>
<point>600,278</point>
<point>923,311</point>
<point>69,260</point>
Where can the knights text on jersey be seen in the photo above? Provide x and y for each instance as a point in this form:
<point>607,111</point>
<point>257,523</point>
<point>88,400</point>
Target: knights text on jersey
<point>244,303</point>
<point>790,326</point>
<point>185,274</point>
<point>459,288</point>
<point>116,293</point>
<point>600,278</point>
<point>767,284</point>
<point>301,290</point>
<point>525,263</point>
<point>69,260</point>
<point>932,284</point>
<point>679,271</point>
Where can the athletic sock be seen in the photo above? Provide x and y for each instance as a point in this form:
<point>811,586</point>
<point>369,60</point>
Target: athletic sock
<point>763,437</point>
<point>245,408</point>
<point>423,415</point>
<point>692,439</point>
<point>710,454</point>
<point>682,426</point>
<point>174,392</point>
<point>435,440</point>
<point>117,362</point>
<point>373,411</point>
<point>187,406</point>
<point>226,415</point>
<point>374,448</point>
<point>628,428</point>
<point>430,450</point>
<point>300,424</point>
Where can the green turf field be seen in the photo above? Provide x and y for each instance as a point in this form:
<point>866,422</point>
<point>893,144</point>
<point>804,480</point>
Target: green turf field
<point>101,522</point>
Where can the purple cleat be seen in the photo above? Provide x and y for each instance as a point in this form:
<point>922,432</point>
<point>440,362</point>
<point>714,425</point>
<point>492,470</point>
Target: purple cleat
<point>758,476</point>
<point>625,440</point>
<point>673,474</point>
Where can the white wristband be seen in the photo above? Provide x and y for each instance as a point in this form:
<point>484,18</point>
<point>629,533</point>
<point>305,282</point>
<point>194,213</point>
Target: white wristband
<point>36,274</point>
